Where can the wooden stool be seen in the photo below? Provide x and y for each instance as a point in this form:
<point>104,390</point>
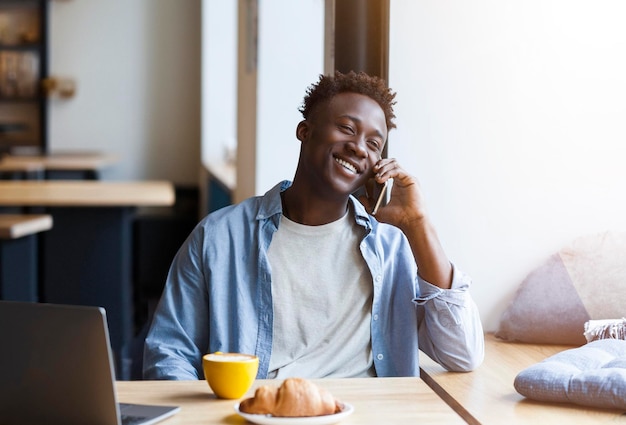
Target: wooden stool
<point>18,255</point>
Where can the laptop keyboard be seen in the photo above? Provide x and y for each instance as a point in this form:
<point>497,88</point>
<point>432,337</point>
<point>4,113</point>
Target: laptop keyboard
<point>139,414</point>
<point>133,420</point>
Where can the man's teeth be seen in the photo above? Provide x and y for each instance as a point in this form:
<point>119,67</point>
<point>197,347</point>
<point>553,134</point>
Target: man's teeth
<point>346,165</point>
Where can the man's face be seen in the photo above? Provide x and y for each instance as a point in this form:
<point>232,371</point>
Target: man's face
<point>341,142</point>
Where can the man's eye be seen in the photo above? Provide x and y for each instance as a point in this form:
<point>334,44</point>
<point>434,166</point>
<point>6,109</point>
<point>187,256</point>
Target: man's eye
<point>347,129</point>
<point>374,144</point>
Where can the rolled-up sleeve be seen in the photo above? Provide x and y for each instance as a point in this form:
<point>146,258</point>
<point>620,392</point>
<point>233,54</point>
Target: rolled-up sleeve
<point>450,330</point>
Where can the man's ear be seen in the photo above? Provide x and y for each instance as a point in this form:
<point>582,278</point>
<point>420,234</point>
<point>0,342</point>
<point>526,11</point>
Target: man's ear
<point>302,130</point>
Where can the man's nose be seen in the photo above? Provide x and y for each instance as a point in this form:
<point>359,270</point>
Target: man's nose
<point>359,147</point>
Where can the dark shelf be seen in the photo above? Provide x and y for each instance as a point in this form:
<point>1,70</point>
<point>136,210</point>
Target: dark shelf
<point>35,99</point>
<point>12,127</point>
<point>23,47</point>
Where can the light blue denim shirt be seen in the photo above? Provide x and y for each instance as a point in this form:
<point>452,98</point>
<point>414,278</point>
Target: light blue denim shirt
<point>218,298</point>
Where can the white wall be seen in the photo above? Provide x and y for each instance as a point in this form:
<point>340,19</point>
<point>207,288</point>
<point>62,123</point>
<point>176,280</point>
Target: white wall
<point>137,67</point>
<point>511,114</point>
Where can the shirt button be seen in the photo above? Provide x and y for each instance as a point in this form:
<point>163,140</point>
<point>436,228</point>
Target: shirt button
<point>376,317</point>
<point>378,279</point>
<point>380,356</point>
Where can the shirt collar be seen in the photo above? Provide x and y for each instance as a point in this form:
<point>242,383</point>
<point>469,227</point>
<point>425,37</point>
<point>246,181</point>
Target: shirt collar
<point>361,216</point>
<point>270,202</point>
<point>271,205</point>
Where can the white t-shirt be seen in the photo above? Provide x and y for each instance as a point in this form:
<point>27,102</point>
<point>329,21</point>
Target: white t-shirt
<point>322,300</point>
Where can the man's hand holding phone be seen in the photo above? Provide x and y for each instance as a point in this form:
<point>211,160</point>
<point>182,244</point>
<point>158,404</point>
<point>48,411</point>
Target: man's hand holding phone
<point>376,195</point>
<point>407,204</point>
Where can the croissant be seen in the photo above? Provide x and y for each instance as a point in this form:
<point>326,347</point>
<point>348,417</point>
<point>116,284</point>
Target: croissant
<point>295,397</point>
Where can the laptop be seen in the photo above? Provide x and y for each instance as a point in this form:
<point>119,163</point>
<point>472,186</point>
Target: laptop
<point>56,367</point>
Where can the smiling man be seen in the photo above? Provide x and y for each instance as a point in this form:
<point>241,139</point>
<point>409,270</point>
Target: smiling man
<point>306,278</point>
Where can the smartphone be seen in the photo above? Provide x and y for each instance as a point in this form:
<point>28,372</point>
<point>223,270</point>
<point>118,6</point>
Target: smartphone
<point>384,195</point>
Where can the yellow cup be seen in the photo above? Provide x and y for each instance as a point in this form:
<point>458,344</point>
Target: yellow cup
<point>230,375</point>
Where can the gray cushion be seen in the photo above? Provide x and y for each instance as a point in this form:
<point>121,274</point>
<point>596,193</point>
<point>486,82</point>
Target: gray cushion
<point>591,375</point>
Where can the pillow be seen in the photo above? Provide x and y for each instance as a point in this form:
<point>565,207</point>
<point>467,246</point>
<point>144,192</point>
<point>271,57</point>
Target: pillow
<point>591,375</point>
<point>583,281</point>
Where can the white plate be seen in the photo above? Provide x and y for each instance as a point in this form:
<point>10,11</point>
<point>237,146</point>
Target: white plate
<point>308,420</point>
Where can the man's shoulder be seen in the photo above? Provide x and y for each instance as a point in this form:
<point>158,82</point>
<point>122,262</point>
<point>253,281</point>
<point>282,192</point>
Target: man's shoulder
<point>245,208</point>
<point>252,208</point>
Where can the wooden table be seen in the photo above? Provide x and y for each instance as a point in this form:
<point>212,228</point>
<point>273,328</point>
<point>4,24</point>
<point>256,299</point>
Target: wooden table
<point>58,165</point>
<point>78,193</point>
<point>377,401</point>
<point>86,258</point>
<point>487,395</point>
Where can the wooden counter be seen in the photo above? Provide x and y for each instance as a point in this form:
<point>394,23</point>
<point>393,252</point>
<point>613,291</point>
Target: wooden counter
<point>376,401</point>
<point>487,395</point>
<point>82,164</point>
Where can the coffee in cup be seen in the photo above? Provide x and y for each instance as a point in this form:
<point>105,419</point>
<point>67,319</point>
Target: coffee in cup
<point>230,375</point>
